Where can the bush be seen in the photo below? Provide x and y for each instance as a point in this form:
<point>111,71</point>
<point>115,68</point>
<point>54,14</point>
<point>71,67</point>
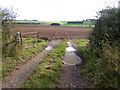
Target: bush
<point>106,28</point>
<point>8,17</point>
<point>101,54</point>
<point>104,44</point>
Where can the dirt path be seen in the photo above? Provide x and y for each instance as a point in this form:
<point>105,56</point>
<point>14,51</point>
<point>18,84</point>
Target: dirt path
<point>16,78</point>
<point>70,76</point>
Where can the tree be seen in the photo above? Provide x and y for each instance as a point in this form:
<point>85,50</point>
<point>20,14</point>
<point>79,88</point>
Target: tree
<point>8,17</point>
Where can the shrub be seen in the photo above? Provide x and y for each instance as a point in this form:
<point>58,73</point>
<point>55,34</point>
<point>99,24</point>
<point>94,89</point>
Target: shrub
<point>8,17</point>
<point>104,44</point>
<point>106,28</point>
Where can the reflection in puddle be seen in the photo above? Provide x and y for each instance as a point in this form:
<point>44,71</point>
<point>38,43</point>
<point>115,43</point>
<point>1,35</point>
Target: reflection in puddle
<point>71,58</point>
<point>52,42</point>
<point>48,48</point>
<point>70,49</point>
<point>55,41</point>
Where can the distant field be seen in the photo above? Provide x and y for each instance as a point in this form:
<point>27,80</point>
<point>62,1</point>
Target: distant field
<point>85,24</point>
<point>52,32</point>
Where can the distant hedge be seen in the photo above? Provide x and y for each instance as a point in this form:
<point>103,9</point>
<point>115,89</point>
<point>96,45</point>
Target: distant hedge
<point>24,23</point>
<point>74,22</point>
<point>55,24</point>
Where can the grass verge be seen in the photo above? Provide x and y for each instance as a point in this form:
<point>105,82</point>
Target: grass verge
<point>101,70</point>
<point>28,51</point>
<point>46,74</point>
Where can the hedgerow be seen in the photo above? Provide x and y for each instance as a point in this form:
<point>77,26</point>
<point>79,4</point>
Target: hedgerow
<point>106,28</point>
<point>102,53</point>
<point>104,38</point>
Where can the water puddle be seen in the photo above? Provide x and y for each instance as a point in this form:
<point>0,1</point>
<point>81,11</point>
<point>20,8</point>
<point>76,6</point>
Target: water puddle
<point>48,48</point>
<point>54,41</point>
<point>71,58</point>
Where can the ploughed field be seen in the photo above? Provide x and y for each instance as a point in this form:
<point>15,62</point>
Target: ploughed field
<point>52,32</point>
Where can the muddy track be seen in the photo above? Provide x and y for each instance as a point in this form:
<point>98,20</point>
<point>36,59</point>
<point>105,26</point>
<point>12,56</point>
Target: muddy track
<point>70,75</point>
<point>21,74</point>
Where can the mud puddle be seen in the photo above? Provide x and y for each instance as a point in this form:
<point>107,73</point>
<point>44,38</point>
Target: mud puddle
<point>71,57</point>
<point>69,76</point>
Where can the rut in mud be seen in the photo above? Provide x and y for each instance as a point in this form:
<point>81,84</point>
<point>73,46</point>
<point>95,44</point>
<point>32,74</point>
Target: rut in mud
<point>69,76</point>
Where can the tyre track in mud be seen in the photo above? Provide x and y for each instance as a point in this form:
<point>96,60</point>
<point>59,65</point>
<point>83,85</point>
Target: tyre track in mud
<point>70,78</point>
<point>21,74</point>
<point>70,74</point>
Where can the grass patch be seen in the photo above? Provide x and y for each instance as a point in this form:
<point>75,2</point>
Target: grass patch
<point>29,50</point>
<point>46,74</point>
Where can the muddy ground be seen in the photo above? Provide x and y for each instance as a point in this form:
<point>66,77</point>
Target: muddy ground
<point>52,32</point>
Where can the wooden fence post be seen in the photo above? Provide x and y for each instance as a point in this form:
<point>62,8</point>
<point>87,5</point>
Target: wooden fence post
<point>37,36</point>
<point>21,39</point>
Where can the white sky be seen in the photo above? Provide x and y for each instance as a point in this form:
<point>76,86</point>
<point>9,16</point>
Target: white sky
<point>57,10</point>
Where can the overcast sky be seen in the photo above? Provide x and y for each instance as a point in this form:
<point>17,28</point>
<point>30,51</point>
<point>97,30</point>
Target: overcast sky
<point>57,10</point>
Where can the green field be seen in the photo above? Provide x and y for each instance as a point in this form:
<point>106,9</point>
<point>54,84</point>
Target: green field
<point>85,24</point>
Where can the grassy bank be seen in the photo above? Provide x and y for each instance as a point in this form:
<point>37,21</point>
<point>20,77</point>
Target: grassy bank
<point>46,74</point>
<point>98,69</point>
<point>28,51</point>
